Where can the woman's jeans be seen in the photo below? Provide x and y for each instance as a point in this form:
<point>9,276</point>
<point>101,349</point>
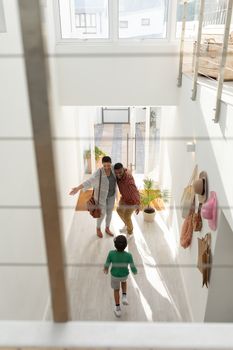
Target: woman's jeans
<point>106,210</point>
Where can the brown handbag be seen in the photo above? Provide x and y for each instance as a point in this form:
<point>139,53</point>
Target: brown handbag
<point>204,258</point>
<point>187,232</point>
<point>197,219</point>
<point>93,206</point>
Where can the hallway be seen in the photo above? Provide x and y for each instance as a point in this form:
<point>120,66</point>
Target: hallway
<point>85,85</point>
<point>155,294</point>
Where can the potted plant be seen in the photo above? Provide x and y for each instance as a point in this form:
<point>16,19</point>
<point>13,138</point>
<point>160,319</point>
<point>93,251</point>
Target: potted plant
<point>98,155</point>
<point>148,195</point>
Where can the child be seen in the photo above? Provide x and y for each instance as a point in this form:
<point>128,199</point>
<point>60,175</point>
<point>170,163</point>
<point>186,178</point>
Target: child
<point>119,271</point>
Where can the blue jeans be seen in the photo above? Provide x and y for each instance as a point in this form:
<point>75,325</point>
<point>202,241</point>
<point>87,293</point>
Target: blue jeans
<point>106,210</point>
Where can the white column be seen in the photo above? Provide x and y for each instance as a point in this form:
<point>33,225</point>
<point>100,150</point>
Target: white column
<point>147,141</point>
<point>179,84</point>
<point>132,149</point>
<point>198,46</point>
<point>92,143</point>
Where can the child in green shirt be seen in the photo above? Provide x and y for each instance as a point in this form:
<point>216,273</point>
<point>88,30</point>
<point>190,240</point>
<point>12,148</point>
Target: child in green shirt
<point>119,271</point>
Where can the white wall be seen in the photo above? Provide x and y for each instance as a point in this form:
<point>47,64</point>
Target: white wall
<point>112,74</point>
<point>73,135</point>
<point>117,79</point>
<point>193,121</point>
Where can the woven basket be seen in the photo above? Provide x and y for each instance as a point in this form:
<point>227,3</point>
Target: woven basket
<point>210,59</point>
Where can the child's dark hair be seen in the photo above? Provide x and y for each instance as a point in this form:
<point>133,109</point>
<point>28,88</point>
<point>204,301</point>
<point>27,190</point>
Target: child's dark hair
<point>120,243</point>
<point>106,159</point>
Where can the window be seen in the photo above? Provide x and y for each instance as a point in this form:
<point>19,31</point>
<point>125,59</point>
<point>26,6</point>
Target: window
<point>2,19</point>
<point>123,24</point>
<point>84,19</point>
<point>214,15</point>
<point>146,19</point>
<point>215,12</point>
<point>116,115</point>
<point>132,19</point>
<point>191,18</point>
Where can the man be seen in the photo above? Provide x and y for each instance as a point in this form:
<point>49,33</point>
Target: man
<point>130,198</point>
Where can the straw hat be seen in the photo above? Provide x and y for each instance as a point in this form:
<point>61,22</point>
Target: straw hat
<point>201,187</point>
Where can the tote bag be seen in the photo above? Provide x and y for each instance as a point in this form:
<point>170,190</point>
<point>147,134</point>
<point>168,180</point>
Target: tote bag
<point>197,219</point>
<point>204,258</point>
<point>188,195</point>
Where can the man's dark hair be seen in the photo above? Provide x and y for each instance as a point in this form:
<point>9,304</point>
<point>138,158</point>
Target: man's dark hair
<point>106,159</point>
<point>118,166</point>
<point>120,243</point>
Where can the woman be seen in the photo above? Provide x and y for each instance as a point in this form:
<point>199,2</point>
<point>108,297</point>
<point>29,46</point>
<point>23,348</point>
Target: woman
<point>107,193</point>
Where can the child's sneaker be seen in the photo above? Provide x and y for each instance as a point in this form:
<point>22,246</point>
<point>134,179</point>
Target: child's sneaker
<point>117,311</point>
<point>125,300</point>
<point>129,237</point>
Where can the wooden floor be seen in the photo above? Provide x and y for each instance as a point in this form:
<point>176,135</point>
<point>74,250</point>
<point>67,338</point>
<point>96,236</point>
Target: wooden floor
<point>155,294</point>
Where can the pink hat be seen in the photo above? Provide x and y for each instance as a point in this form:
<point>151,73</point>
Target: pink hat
<point>209,211</point>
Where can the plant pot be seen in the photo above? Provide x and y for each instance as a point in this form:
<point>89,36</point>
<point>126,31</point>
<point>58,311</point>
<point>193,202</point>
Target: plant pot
<point>149,214</point>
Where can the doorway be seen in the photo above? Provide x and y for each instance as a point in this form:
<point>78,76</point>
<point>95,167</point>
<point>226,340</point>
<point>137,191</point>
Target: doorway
<point>130,135</point>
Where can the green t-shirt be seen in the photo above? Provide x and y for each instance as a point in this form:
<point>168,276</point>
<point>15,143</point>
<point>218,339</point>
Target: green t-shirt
<point>120,262</point>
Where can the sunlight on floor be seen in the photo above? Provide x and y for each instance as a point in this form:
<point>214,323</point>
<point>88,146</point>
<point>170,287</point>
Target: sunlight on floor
<point>146,307</point>
<point>152,274</point>
<point>170,232</point>
<point>149,263</point>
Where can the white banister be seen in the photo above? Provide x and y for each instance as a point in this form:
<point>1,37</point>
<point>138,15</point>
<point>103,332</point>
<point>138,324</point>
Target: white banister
<point>120,335</point>
<point>197,53</point>
<point>179,83</point>
<point>223,61</point>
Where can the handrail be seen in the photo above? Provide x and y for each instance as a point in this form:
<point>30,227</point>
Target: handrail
<point>179,83</point>
<point>197,53</point>
<point>223,61</point>
<point>120,335</point>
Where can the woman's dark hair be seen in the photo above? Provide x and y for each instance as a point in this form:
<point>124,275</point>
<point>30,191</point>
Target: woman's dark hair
<point>106,159</point>
<point>120,243</point>
<point>118,166</point>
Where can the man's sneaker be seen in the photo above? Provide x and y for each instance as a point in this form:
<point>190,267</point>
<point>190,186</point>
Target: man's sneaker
<point>124,300</point>
<point>107,230</point>
<point>123,229</point>
<point>117,311</point>
<point>129,236</point>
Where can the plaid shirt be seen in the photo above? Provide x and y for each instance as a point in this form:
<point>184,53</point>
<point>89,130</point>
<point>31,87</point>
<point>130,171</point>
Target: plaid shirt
<point>128,190</point>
